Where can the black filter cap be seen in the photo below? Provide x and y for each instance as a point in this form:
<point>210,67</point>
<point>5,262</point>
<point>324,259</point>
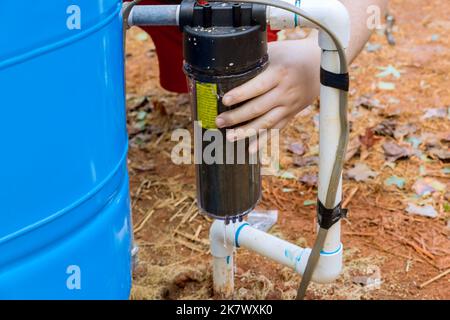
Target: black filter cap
<point>223,38</point>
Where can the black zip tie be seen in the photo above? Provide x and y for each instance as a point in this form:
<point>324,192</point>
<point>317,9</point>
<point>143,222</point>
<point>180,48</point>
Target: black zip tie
<point>339,81</point>
<point>328,217</point>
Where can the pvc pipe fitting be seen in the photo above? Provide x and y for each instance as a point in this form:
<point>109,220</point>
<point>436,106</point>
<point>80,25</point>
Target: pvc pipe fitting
<point>224,238</point>
<point>332,13</point>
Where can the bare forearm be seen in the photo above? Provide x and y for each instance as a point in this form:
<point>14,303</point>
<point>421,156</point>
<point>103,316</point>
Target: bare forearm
<point>361,17</point>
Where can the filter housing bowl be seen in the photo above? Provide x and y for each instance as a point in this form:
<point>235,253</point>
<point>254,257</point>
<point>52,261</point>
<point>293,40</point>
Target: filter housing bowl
<point>223,51</point>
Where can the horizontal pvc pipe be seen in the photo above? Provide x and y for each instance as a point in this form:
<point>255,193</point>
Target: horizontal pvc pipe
<point>274,248</point>
<point>154,15</point>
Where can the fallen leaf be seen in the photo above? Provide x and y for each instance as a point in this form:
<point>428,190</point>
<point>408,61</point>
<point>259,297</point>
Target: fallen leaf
<point>430,140</point>
<point>287,175</point>
<point>414,141</point>
<point>361,172</point>
<point>309,179</point>
<point>426,211</point>
<point>394,180</point>
<point>138,126</point>
<point>372,47</point>
<point>140,139</point>
<point>442,154</point>
<point>404,130</point>
<point>159,106</point>
<point>136,102</point>
<point>435,113</point>
<point>386,128</point>
<point>297,148</point>
<point>368,139</point>
<point>306,161</point>
<point>386,85</point>
<point>427,186</point>
<point>388,71</point>
<point>394,151</point>
<point>353,148</point>
<point>143,166</point>
<point>392,112</point>
<point>309,203</point>
<point>141,115</point>
<point>366,101</point>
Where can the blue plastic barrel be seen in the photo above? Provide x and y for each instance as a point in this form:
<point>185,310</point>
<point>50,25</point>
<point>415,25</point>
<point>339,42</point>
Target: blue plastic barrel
<point>65,226</point>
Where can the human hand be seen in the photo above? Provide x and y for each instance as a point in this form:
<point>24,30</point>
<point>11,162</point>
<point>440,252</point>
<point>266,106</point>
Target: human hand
<point>289,84</point>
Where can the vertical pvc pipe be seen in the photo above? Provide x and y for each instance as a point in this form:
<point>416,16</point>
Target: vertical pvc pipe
<point>329,137</point>
<point>223,276</point>
<point>223,260</point>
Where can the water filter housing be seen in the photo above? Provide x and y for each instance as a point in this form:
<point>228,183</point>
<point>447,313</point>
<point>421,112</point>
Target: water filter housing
<point>225,45</point>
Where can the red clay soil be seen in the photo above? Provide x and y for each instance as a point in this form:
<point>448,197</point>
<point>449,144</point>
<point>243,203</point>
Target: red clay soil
<point>382,241</point>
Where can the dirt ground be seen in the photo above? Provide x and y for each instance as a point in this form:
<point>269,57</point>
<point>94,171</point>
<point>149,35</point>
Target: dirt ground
<point>389,253</point>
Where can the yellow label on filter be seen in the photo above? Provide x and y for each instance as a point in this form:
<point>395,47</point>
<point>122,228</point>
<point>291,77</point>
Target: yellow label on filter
<point>206,104</point>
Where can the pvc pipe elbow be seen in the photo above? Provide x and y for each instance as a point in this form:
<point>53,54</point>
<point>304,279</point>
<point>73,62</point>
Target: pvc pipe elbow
<point>334,15</point>
<point>329,267</point>
<point>218,235</point>
<point>331,13</point>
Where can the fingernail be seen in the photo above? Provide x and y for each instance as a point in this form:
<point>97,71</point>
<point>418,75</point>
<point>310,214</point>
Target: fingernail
<point>220,122</point>
<point>227,100</point>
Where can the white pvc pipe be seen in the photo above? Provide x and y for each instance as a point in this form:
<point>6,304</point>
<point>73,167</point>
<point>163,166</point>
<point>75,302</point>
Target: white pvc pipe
<point>278,250</point>
<point>223,276</point>
<point>332,13</point>
<point>223,260</point>
<point>224,238</point>
<point>329,132</point>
